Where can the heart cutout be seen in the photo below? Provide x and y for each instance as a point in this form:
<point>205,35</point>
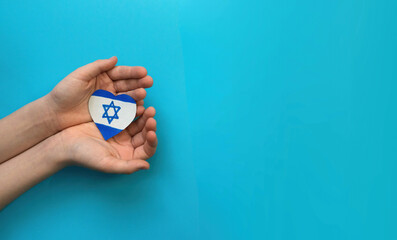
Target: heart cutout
<point>111,114</point>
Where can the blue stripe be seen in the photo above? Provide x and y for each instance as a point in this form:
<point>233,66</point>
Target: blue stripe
<point>107,132</point>
<point>106,94</point>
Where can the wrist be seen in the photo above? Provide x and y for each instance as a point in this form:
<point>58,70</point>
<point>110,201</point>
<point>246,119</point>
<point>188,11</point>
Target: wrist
<point>56,152</point>
<point>51,119</point>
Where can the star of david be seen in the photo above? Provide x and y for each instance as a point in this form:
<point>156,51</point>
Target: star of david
<point>110,106</point>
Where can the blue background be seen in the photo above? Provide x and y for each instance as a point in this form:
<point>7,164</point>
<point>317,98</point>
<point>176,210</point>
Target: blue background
<point>276,119</point>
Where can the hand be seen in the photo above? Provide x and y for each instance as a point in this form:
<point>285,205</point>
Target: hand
<point>69,99</point>
<point>83,145</point>
<point>124,153</point>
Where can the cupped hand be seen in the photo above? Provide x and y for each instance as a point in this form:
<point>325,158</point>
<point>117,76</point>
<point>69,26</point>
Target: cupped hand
<point>124,153</point>
<point>69,99</point>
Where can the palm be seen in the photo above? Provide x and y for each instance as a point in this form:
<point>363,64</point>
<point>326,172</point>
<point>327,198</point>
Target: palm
<point>71,95</point>
<point>124,152</point>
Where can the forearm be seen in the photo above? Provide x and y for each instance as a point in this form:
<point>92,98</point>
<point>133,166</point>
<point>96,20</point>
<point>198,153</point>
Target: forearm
<point>25,128</point>
<point>29,168</point>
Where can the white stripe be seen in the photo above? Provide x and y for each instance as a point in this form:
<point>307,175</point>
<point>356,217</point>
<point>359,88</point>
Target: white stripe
<point>126,113</point>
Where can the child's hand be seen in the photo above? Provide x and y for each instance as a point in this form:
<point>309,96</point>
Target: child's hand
<point>69,99</point>
<point>124,153</point>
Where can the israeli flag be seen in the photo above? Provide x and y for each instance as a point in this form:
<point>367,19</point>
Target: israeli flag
<point>112,114</point>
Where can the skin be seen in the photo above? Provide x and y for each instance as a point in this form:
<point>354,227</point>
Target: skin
<point>65,135</point>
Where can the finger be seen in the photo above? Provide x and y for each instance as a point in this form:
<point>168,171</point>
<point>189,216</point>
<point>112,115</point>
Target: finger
<point>93,69</point>
<point>140,110</point>
<point>137,94</point>
<point>139,139</point>
<point>148,149</point>
<point>131,84</point>
<point>126,72</point>
<point>115,165</point>
<point>150,144</point>
<point>137,126</point>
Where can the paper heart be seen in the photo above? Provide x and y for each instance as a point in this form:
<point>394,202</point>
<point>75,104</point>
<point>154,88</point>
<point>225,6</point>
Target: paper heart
<point>111,114</point>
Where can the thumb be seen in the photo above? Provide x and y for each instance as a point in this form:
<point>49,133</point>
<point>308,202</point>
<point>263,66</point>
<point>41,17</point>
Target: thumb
<point>93,69</point>
<point>116,165</point>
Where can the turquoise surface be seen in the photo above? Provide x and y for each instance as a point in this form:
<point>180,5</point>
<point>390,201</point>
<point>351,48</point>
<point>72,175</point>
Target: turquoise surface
<point>276,119</point>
